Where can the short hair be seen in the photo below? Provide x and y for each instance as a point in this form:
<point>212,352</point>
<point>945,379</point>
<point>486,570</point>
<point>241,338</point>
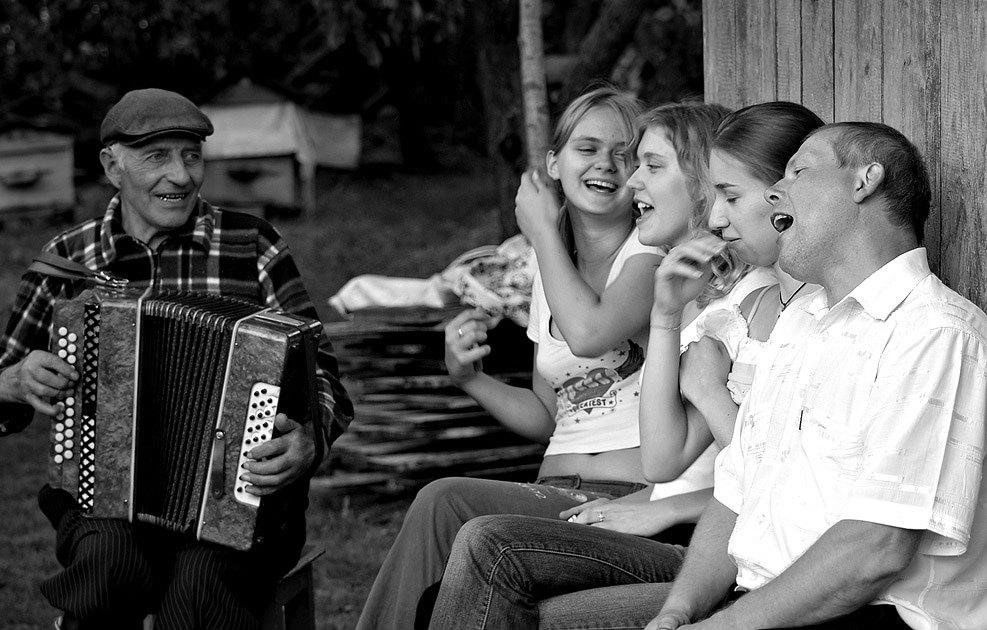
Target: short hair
<point>765,136</point>
<point>905,186</point>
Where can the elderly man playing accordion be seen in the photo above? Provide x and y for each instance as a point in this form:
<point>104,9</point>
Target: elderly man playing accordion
<point>158,233</point>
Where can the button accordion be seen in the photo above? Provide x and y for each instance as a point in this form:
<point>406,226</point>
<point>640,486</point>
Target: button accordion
<point>174,389</point>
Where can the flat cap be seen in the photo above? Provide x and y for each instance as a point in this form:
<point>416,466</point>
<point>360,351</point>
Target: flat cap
<point>143,114</point>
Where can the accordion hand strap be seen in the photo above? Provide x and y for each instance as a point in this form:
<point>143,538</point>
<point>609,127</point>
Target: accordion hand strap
<point>57,267</point>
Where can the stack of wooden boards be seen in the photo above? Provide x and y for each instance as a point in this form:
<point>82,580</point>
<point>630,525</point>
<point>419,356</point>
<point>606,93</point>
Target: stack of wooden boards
<point>411,424</point>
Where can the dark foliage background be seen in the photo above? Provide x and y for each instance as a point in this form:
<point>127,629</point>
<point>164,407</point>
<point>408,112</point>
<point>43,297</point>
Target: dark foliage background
<point>63,62</point>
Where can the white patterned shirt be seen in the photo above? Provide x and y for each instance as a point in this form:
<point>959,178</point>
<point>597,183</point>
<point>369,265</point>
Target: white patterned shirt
<point>871,410</point>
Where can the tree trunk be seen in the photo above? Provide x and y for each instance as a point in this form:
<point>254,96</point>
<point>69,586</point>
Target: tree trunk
<point>603,45</point>
<point>533,88</point>
<point>495,28</point>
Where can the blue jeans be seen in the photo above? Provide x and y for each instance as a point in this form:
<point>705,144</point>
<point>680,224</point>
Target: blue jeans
<point>415,562</point>
<point>526,572</point>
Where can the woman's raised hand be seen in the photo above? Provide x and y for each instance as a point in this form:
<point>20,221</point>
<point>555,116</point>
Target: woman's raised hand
<point>465,347</point>
<point>683,273</point>
<point>535,207</point>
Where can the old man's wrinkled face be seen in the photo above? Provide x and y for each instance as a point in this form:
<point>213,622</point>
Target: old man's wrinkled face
<point>158,181</point>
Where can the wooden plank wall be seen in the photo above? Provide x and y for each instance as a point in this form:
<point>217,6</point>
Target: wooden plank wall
<point>909,63</point>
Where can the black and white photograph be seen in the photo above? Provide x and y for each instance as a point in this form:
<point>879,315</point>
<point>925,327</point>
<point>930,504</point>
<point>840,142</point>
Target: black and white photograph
<point>493,314</point>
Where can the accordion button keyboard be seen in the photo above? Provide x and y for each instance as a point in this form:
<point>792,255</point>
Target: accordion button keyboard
<point>258,430</point>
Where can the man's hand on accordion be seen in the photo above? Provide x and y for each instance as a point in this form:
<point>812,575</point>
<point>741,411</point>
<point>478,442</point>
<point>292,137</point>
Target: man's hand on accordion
<point>282,460</point>
<point>36,380</point>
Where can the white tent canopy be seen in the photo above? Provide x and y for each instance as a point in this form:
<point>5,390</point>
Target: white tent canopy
<point>251,121</point>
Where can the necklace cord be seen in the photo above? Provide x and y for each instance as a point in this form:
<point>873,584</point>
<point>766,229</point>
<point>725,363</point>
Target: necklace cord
<point>785,303</point>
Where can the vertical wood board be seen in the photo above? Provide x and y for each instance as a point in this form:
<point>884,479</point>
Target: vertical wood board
<point>722,69</point>
<point>963,150</point>
<point>911,91</point>
<point>759,53</point>
<point>788,47</point>
<point>857,60</point>
<point>817,57</point>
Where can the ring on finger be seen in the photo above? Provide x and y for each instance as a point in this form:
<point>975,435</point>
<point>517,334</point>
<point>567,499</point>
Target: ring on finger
<point>600,516</point>
<point>460,331</point>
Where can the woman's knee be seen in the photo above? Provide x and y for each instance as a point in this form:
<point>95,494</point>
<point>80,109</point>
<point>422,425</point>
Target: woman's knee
<point>446,499</point>
<point>484,539</point>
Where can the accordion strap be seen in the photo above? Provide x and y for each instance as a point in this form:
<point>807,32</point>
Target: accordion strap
<point>57,267</point>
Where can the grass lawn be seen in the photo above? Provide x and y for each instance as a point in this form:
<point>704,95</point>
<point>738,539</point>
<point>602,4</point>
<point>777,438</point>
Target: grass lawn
<point>394,224</point>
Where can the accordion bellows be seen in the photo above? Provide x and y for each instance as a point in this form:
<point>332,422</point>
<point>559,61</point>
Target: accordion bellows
<point>174,390</point>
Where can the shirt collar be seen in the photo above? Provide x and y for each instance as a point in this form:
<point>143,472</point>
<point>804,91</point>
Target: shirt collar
<point>882,291</point>
<point>198,230</point>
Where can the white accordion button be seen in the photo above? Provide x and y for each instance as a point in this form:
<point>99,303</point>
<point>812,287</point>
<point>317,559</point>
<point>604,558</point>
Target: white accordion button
<point>58,459</point>
<point>62,331</point>
<point>73,337</point>
<point>59,448</point>
<point>59,437</point>
<point>68,454</point>
<point>69,412</point>
<point>62,342</point>
<point>69,444</point>
<point>69,433</point>
<point>69,401</point>
<point>71,347</point>
<point>71,359</point>
<point>59,427</point>
<point>69,422</point>
<point>62,353</point>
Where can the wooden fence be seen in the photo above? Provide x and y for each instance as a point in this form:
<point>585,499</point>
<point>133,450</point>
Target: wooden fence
<point>917,65</point>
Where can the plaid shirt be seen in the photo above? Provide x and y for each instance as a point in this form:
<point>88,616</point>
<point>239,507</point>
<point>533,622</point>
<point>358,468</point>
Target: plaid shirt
<point>218,251</point>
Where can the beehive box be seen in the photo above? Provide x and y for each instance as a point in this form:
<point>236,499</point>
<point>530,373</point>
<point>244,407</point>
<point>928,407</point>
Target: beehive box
<point>36,169</point>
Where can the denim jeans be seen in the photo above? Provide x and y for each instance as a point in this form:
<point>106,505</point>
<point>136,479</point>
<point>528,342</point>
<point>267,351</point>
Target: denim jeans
<point>526,572</point>
<point>418,557</point>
